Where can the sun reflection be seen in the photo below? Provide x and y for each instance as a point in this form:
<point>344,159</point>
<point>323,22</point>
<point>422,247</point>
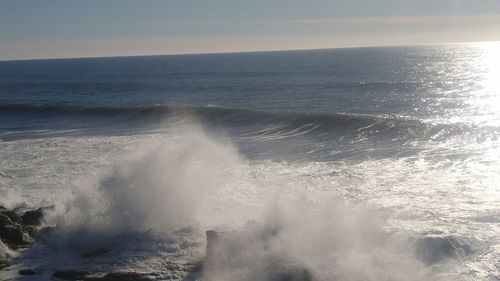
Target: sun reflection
<point>487,101</point>
<point>487,65</point>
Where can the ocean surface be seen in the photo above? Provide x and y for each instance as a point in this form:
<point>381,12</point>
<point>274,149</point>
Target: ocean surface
<point>372,163</point>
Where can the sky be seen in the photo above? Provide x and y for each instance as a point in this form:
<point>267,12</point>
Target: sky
<point>89,28</point>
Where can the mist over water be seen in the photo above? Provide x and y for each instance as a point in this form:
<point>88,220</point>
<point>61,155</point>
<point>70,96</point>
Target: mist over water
<point>190,179</point>
<point>163,184</point>
<point>159,185</point>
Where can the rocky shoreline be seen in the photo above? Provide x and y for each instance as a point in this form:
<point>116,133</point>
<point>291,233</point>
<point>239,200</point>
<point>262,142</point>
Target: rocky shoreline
<point>18,231</point>
<point>232,254</point>
<point>21,227</point>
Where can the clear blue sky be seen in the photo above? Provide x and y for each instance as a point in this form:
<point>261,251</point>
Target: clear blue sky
<point>83,28</point>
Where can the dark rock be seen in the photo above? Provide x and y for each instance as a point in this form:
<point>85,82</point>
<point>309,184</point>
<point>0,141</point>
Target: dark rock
<point>432,250</point>
<point>32,217</point>
<point>70,274</point>
<point>5,220</point>
<point>16,231</point>
<point>125,276</point>
<point>212,236</point>
<point>229,253</point>
<point>14,237</point>
<point>215,251</point>
<point>12,234</point>
<point>288,272</point>
<point>30,230</point>
<point>112,276</point>
<point>95,253</point>
<point>27,272</point>
<point>12,216</point>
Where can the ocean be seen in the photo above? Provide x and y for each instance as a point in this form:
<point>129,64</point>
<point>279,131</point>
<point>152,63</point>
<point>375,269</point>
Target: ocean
<point>368,163</point>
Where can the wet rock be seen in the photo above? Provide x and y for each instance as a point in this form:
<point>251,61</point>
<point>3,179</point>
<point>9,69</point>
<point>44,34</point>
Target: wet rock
<point>5,220</point>
<point>12,234</point>
<point>27,272</point>
<point>14,237</point>
<point>212,236</point>
<point>30,230</point>
<point>228,254</point>
<point>70,274</point>
<point>17,231</point>
<point>432,250</point>
<point>97,252</point>
<point>125,276</point>
<point>32,217</point>
<point>12,216</point>
<point>213,245</point>
<point>288,272</point>
<point>111,276</point>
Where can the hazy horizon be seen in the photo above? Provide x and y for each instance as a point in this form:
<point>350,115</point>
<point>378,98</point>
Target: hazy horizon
<point>75,29</point>
<point>250,51</point>
<point>253,51</point>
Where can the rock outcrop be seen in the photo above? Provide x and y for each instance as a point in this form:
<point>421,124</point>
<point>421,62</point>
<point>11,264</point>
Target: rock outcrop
<point>18,231</point>
<point>32,217</point>
<point>239,255</point>
<point>434,249</point>
<point>13,234</point>
<point>96,253</point>
<point>27,271</point>
<point>111,276</point>
<point>245,255</point>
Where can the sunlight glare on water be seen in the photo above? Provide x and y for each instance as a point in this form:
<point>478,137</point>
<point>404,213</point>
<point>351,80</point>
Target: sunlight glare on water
<point>487,98</point>
<point>486,102</point>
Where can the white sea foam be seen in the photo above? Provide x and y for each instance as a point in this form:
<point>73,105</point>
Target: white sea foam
<point>164,183</point>
<point>12,200</point>
<point>331,241</point>
<point>160,185</point>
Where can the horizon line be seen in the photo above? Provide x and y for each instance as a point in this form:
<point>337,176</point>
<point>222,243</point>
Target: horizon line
<point>247,52</point>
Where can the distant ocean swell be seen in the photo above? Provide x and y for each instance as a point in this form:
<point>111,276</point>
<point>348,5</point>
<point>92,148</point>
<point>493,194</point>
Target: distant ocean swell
<point>264,123</point>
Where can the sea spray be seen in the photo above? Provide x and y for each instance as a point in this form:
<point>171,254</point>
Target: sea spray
<point>159,186</point>
<point>12,200</point>
<point>329,241</point>
<point>163,184</point>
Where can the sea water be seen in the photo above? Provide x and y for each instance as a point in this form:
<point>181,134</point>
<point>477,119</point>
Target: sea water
<point>373,163</point>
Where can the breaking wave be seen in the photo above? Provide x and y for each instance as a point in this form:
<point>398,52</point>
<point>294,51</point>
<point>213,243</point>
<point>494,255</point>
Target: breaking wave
<point>274,124</point>
<point>159,186</point>
<point>164,184</point>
